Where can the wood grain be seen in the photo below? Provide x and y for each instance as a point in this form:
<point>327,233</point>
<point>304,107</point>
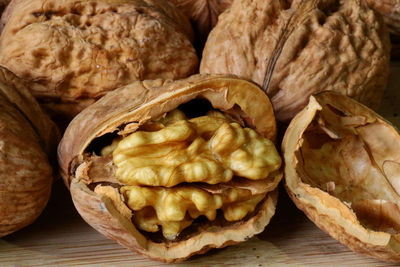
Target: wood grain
<point>61,238</point>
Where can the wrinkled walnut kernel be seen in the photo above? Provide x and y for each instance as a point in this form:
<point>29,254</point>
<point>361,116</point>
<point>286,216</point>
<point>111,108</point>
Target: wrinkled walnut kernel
<point>172,150</point>
<point>203,149</point>
<point>173,205</point>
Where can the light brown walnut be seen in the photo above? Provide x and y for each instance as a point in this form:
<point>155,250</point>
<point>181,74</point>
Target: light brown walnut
<point>27,139</point>
<point>342,167</point>
<point>295,50</point>
<point>171,169</point>
<point>76,51</point>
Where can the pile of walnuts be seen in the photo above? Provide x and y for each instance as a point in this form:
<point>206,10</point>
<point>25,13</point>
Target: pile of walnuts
<point>169,112</point>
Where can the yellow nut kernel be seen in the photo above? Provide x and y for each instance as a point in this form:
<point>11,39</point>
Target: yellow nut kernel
<point>208,149</point>
<point>239,210</point>
<point>146,219</point>
<point>171,204</point>
<point>110,149</point>
<point>174,115</point>
<point>244,151</point>
<point>170,207</point>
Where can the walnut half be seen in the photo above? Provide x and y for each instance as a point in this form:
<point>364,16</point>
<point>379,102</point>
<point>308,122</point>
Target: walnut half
<point>342,167</point>
<point>160,166</point>
<point>175,168</point>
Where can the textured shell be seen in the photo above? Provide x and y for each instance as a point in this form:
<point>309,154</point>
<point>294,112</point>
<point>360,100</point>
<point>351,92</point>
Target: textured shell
<point>135,104</point>
<point>78,50</point>
<point>27,138</point>
<point>295,50</point>
<point>367,218</point>
<point>203,14</point>
<point>390,10</point>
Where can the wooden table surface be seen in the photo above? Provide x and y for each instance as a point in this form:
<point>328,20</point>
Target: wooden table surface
<point>60,237</point>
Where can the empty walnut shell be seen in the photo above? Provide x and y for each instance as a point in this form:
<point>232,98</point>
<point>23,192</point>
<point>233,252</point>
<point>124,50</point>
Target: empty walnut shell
<point>295,50</point>
<point>122,112</point>
<point>342,165</point>
<point>27,138</point>
<point>76,50</point>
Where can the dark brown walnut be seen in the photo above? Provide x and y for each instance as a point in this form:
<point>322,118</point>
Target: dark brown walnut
<point>155,113</point>
<point>342,165</point>
<point>27,139</point>
<point>295,50</point>
<point>76,51</point>
<point>203,14</point>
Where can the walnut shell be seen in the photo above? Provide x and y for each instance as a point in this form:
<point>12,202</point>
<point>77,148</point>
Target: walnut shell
<point>122,111</point>
<point>390,10</point>
<point>76,50</point>
<point>341,169</point>
<point>27,138</point>
<point>295,50</point>
<point>203,14</point>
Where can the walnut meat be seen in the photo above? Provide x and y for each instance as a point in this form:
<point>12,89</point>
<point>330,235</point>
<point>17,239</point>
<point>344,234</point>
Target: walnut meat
<point>341,168</point>
<point>76,50</point>
<point>173,169</point>
<point>295,50</point>
<point>27,138</point>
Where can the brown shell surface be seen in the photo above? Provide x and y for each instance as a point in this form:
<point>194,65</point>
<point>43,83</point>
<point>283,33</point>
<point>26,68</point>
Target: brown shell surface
<point>27,139</point>
<point>203,14</point>
<point>75,51</point>
<point>390,10</point>
<point>295,50</point>
<point>122,111</point>
<point>341,169</point>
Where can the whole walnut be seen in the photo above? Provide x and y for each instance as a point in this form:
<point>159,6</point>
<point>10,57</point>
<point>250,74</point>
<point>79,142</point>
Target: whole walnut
<point>342,168</point>
<point>27,139</point>
<point>171,169</point>
<point>76,51</point>
<point>295,50</point>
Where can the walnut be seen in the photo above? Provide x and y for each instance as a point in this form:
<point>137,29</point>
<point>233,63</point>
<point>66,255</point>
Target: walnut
<point>76,51</point>
<point>193,158</point>
<point>27,138</point>
<point>295,50</point>
<point>341,168</point>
